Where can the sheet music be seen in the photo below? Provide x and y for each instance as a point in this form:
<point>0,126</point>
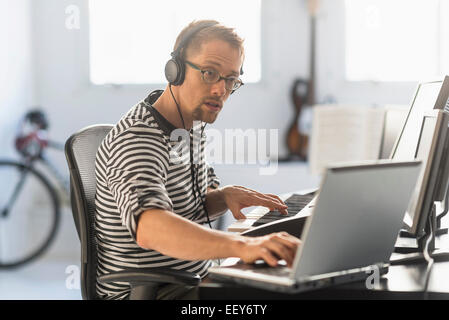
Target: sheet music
<point>342,133</point>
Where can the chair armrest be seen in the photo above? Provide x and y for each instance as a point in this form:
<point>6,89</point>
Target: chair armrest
<point>152,275</point>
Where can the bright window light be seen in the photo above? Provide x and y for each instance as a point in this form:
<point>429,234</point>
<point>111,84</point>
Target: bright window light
<point>131,40</point>
<point>396,40</point>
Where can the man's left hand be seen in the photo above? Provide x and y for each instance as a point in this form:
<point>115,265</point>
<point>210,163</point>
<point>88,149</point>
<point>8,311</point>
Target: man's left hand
<point>238,197</point>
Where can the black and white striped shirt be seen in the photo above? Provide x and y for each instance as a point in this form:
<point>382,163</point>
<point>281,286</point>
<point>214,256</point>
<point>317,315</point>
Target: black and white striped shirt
<point>136,170</point>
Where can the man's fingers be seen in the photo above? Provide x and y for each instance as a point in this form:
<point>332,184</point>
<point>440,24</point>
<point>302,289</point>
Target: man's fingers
<point>271,248</point>
<point>283,252</point>
<point>267,196</point>
<point>269,257</point>
<point>267,201</point>
<point>287,239</point>
<point>276,199</point>
<point>284,245</point>
<point>238,214</point>
<point>271,197</point>
<point>246,197</point>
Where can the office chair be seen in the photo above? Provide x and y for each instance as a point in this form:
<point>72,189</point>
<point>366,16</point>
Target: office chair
<point>80,151</point>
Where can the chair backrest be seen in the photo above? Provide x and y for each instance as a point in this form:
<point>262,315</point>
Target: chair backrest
<point>80,150</point>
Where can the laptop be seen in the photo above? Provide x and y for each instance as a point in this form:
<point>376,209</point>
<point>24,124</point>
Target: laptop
<point>352,229</point>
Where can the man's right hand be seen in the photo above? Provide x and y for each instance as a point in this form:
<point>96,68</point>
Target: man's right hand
<point>271,248</point>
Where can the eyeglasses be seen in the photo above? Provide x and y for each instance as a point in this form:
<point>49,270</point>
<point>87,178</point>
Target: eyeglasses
<point>212,76</point>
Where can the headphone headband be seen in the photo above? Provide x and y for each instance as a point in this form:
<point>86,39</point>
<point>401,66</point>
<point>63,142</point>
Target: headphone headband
<point>186,39</point>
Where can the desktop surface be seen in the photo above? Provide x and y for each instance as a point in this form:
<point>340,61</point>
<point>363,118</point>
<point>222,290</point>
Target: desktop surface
<point>401,282</point>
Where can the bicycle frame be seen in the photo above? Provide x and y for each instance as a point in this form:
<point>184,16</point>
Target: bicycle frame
<point>38,137</point>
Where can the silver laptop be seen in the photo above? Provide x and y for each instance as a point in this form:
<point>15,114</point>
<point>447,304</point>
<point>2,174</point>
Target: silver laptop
<point>352,229</point>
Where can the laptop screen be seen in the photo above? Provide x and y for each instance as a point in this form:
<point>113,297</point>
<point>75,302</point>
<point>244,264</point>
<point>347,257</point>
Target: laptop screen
<point>357,217</point>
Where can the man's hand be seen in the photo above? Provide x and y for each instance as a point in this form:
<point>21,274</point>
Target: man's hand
<point>237,198</point>
<point>271,248</point>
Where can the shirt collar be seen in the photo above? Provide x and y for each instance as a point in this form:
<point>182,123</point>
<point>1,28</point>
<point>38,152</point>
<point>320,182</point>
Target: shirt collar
<point>166,126</point>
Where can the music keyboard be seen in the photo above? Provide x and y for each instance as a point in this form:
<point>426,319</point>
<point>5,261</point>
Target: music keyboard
<point>299,204</point>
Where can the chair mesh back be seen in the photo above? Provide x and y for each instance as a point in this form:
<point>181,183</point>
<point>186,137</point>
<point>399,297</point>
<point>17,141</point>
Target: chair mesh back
<point>81,149</point>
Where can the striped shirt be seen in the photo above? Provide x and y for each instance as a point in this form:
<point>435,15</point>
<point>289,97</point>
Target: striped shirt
<point>138,167</point>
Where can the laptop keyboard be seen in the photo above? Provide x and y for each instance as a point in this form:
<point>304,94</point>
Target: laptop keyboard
<point>280,271</point>
<point>295,203</point>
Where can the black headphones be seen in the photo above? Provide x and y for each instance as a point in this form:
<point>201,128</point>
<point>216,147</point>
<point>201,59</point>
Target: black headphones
<point>175,68</point>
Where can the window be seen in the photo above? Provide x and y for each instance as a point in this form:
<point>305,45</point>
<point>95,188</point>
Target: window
<point>131,40</point>
<point>396,40</point>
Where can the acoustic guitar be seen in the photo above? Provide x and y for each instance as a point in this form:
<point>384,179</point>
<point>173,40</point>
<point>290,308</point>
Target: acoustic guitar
<point>303,96</point>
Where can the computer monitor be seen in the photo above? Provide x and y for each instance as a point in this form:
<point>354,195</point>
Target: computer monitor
<point>424,100</point>
<point>443,181</point>
<point>443,103</point>
<point>415,139</point>
<point>431,149</point>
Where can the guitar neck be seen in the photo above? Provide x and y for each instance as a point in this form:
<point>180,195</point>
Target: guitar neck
<point>311,91</point>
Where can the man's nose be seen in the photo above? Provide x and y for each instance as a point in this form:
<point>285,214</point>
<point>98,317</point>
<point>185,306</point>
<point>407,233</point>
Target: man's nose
<point>219,88</point>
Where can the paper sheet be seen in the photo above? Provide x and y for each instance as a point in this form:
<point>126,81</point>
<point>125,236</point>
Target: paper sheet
<point>342,133</point>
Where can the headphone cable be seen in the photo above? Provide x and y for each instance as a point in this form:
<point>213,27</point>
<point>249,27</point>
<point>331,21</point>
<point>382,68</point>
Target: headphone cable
<point>195,180</point>
<point>177,106</point>
<point>192,169</point>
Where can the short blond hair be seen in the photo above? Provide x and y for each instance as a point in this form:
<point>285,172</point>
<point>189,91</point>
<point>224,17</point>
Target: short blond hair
<point>212,30</point>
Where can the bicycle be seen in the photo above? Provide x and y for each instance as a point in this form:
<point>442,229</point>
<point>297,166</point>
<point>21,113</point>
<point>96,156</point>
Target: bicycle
<point>30,201</point>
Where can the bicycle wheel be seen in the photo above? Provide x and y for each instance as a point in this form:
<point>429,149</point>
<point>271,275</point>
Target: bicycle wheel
<point>29,214</point>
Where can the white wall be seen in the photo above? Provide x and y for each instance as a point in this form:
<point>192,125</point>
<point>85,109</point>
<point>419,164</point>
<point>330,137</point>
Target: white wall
<point>331,65</point>
<point>49,66</point>
<point>72,102</point>
<point>16,68</point>
<point>63,86</point>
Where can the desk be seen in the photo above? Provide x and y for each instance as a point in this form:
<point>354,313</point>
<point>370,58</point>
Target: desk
<point>401,282</point>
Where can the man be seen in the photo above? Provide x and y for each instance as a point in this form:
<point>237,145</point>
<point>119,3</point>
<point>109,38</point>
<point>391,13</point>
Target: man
<point>150,205</point>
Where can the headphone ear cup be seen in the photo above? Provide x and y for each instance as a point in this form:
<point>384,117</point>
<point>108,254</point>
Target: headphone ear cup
<point>175,71</point>
<point>171,71</point>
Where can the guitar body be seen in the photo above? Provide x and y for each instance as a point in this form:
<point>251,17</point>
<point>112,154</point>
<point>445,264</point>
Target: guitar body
<point>297,142</point>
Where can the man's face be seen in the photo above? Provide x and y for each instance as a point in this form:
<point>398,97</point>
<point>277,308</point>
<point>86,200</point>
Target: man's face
<point>203,100</point>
